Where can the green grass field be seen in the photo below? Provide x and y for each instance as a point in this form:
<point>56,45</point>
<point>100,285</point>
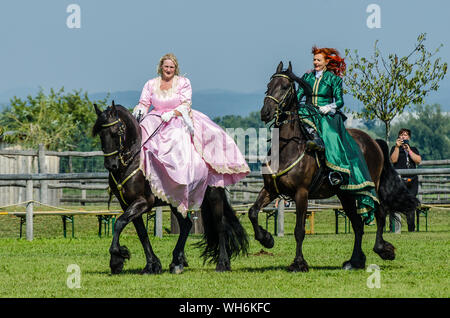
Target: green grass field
<point>39,268</point>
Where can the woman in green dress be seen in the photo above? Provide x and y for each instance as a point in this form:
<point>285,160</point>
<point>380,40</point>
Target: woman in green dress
<point>325,123</point>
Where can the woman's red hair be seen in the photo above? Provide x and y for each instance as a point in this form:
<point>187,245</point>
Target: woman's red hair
<point>336,63</point>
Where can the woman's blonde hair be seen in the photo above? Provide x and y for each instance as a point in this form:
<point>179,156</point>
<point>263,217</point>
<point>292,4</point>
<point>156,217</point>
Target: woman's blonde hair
<point>168,56</point>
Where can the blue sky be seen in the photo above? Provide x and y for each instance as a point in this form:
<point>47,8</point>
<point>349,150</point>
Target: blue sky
<point>232,45</point>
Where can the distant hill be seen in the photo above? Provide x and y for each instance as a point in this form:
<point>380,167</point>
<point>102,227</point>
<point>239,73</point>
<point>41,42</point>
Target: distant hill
<point>210,102</point>
<point>214,102</point>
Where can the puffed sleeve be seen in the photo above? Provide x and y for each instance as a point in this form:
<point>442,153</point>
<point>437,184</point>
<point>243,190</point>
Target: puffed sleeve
<point>338,92</point>
<point>185,92</point>
<point>301,91</point>
<point>185,95</point>
<point>146,96</point>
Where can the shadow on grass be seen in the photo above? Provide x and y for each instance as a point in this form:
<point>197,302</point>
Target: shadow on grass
<point>131,271</point>
<point>284,268</point>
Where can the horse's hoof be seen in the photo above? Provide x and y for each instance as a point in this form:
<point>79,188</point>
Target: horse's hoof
<point>176,269</point>
<point>153,268</point>
<point>348,266</point>
<point>223,267</point>
<point>116,264</point>
<point>386,252</point>
<point>299,267</point>
<point>267,240</point>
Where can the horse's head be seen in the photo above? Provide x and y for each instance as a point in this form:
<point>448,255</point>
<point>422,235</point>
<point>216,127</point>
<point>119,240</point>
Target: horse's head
<point>111,126</point>
<point>280,93</point>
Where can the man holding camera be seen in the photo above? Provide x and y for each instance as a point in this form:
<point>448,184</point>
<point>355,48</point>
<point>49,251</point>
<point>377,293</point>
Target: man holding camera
<point>403,156</point>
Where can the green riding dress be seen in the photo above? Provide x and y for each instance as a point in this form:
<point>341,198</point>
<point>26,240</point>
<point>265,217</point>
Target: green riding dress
<point>342,154</point>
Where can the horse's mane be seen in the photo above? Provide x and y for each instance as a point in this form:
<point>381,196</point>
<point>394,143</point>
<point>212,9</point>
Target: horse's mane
<point>300,81</point>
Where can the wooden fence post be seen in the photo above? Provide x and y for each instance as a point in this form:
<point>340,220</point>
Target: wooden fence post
<point>280,218</point>
<point>158,222</point>
<point>83,195</point>
<point>42,169</point>
<point>29,214</point>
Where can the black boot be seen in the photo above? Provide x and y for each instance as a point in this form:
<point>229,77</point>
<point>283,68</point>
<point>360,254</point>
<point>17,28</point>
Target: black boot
<point>315,143</point>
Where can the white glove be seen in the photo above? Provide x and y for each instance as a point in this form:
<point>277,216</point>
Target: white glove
<point>167,116</point>
<point>138,112</point>
<point>330,108</point>
<point>184,110</point>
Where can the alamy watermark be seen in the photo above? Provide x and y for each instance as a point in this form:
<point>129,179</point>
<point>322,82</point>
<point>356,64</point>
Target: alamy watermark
<point>257,149</point>
<point>374,19</point>
<point>374,280</point>
<point>74,278</point>
<point>73,21</point>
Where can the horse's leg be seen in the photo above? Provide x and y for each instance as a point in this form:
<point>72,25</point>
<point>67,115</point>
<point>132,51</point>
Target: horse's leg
<point>261,235</point>
<point>358,259</point>
<point>301,202</point>
<point>178,257</point>
<point>120,253</point>
<point>383,248</point>
<point>153,265</point>
<point>410,220</point>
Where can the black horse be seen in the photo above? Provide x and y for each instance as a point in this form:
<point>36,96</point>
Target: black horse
<point>298,171</point>
<point>224,236</point>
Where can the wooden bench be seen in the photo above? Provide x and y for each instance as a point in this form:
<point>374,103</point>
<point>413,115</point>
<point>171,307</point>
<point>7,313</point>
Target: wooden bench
<point>422,211</point>
<point>104,218</point>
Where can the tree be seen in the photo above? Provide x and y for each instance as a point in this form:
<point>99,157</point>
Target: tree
<point>386,87</point>
<point>57,120</point>
<point>253,120</point>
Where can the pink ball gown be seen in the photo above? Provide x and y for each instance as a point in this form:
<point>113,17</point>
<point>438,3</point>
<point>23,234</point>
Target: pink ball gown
<point>187,153</point>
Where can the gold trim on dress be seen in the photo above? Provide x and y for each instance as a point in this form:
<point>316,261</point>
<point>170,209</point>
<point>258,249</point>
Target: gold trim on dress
<point>358,186</point>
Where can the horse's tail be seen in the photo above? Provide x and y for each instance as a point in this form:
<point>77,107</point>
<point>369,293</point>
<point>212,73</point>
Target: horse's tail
<point>393,193</point>
<point>219,219</point>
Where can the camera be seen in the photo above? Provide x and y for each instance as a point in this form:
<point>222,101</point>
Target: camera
<point>406,142</point>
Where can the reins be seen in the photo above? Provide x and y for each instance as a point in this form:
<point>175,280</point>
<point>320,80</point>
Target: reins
<point>121,154</point>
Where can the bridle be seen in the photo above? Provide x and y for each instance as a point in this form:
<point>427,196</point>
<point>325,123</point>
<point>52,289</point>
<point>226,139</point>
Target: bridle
<point>121,154</point>
<point>120,151</point>
<point>283,101</point>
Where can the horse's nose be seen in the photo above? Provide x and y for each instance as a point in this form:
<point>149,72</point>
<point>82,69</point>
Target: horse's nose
<point>264,113</point>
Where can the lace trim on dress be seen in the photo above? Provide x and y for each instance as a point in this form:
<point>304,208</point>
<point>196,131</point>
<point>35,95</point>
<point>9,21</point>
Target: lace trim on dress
<point>164,93</point>
<point>161,195</point>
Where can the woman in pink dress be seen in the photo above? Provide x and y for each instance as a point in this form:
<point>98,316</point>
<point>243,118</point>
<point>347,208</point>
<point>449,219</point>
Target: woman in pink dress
<point>183,151</point>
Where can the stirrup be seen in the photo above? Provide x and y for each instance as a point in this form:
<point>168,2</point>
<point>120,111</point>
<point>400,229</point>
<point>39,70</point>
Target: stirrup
<point>335,178</point>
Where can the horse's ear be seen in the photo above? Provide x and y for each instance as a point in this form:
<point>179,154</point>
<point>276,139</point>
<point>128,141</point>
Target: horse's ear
<point>290,67</point>
<point>280,67</point>
<point>113,108</point>
<point>97,110</point>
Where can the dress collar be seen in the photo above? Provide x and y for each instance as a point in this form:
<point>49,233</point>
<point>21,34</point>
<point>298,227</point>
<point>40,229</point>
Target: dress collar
<point>319,73</point>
